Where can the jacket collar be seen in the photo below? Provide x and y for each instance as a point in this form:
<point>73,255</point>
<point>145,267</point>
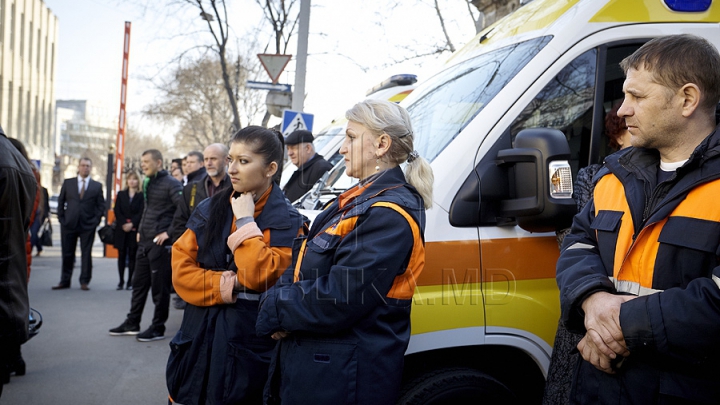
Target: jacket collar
<point>310,162</point>
<point>275,213</point>
<point>372,186</point>
<point>196,175</point>
<point>645,161</point>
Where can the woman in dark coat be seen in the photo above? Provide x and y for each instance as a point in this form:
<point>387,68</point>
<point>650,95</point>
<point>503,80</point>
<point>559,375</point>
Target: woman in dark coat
<point>344,323</point>
<point>128,211</point>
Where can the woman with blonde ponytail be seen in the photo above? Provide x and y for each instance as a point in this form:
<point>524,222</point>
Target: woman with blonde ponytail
<point>345,317</point>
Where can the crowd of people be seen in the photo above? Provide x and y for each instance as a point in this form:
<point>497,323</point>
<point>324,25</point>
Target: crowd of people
<point>272,306</point>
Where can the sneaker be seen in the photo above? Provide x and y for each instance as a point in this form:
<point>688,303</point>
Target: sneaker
<point>126,329</point>
<point>178,303</point>
<point>152,333</point>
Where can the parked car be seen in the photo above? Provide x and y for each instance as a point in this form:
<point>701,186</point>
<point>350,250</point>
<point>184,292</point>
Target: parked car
<point>53,204</point>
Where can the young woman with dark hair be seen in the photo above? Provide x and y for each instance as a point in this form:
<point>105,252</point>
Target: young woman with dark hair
<point>237,245</point>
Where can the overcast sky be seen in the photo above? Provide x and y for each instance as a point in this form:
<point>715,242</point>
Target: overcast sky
<point>352,45</point>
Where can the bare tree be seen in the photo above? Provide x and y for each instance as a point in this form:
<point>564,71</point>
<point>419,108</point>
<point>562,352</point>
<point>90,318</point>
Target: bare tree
<point>136,143</point>
<point>193,97</point>
<point>279,14</point>
<point>217,23</point>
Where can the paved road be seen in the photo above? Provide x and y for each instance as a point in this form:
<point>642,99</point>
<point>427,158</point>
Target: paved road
<point>73,360</point>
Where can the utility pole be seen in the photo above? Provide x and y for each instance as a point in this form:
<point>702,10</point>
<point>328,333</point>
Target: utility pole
<point>298,99</point>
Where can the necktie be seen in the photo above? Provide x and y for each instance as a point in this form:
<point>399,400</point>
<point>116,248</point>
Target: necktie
<point>82,189</point>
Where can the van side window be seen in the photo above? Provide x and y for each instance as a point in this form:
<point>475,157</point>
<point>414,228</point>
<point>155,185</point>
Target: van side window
<point>566,103</point>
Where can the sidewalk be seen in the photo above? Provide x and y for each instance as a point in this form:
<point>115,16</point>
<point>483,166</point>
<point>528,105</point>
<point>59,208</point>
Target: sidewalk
<point>73,360</point>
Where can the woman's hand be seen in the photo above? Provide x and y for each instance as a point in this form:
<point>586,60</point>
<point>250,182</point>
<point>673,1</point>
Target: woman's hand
<point>127,227</point>
<point>243,206</point>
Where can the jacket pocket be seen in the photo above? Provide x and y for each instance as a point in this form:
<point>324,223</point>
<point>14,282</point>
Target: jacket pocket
<point>179,368</point>
<point>305,363</point>
<point>607,226</point>
<point>690,254</point>
<point>245,375</point>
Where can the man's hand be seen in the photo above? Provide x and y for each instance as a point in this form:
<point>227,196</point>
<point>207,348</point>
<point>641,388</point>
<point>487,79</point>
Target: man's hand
<point>604,340</point>
<point>243,206</point>
<point>161,238</point>
<point>281,334</point>
<point>127,227</point>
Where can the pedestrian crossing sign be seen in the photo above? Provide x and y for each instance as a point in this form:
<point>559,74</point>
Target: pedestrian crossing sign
<point>295,120</point>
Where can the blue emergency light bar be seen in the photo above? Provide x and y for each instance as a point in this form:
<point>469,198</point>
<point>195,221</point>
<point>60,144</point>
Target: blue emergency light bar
<point>696,6</point>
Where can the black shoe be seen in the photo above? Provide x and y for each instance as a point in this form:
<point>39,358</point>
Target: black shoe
<point>152,333</point>
<point>126,329</point>
<point>19,367</point>
<point>120,286</point>
<point>129,287</point>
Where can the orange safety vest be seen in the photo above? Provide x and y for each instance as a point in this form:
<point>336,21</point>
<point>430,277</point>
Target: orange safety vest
<point>635,261</point>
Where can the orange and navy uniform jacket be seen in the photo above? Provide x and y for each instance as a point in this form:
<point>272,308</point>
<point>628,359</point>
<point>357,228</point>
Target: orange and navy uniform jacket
<point>661,243</point>
<point>348,307</point>
<point>216,356</point>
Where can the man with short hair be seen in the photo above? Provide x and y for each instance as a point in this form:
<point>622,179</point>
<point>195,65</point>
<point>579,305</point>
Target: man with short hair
<point>639,273</point>
<point>214,177</point>
<point>81,205</point>
<point>311,166</point>
<point>162,194</point>
<point>202,184</point>
<point>17,198</point>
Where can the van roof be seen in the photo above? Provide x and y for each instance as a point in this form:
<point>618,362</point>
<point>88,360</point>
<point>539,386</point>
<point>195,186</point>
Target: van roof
<point>552,17</point>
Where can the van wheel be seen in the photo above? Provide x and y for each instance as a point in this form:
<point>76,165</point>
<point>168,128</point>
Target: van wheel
<point>455,386</point>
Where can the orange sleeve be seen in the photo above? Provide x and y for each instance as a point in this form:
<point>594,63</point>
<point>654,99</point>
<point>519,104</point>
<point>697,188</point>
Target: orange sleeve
<point>259,265</point>
<point>195,285</point>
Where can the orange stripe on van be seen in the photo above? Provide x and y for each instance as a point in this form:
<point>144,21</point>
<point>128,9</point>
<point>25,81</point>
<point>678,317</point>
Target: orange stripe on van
<point>521,258</point>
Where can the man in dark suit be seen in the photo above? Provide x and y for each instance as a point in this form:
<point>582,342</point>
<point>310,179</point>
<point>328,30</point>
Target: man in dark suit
<point>311,166</point>
<point>81,205</point>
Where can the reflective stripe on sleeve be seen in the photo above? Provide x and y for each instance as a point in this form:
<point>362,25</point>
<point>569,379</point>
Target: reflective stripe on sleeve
<point>634,288</point>
<point>580,246</point>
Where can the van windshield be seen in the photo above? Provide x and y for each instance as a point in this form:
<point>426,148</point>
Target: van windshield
<point>443,105</point>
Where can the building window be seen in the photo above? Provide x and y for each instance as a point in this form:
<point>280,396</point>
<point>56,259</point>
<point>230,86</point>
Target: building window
<point>12,27</point>
<point>2,21</point>
<point>39,43</point>
<point>22,34</point>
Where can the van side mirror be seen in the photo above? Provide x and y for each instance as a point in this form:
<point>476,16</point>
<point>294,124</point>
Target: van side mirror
<point>540,180</point>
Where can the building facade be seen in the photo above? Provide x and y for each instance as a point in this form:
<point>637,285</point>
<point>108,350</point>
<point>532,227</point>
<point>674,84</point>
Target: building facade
<point>84,129</point>
<point>28,54</point>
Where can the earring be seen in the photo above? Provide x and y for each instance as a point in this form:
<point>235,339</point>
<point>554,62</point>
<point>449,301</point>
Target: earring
<point>377,164</point>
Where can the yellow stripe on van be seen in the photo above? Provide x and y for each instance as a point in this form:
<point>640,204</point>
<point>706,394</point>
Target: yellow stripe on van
<point>536,15</point>
<point>650,10</point>
<point>529,305</point>
<point>446,307</point>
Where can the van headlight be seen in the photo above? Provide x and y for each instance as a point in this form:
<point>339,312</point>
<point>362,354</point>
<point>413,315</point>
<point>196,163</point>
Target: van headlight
<point>561,184</point>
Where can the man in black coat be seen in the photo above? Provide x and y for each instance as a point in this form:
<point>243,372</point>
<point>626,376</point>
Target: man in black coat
<point>152,264</point>
<point>212,177</point>
<point>81,205</point>
<point>17,197</point>
<point>311,166</point>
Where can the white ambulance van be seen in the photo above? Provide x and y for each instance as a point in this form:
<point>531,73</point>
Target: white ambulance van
<point>506,125</point>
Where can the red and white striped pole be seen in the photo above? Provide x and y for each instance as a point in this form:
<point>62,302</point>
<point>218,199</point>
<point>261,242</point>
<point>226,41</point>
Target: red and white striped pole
<point>120,141</point>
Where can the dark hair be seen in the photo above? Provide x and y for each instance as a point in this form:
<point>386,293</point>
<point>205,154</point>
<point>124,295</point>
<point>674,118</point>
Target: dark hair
<point>265,142</point>
<point>615,126</point>
<point>676,60</point>
<point>197,154</point>
<point>20,147</point>
<point>156,154</point>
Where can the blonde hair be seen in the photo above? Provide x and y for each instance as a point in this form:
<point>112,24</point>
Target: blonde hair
<point>384,117</point>
<point>132,173</point>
